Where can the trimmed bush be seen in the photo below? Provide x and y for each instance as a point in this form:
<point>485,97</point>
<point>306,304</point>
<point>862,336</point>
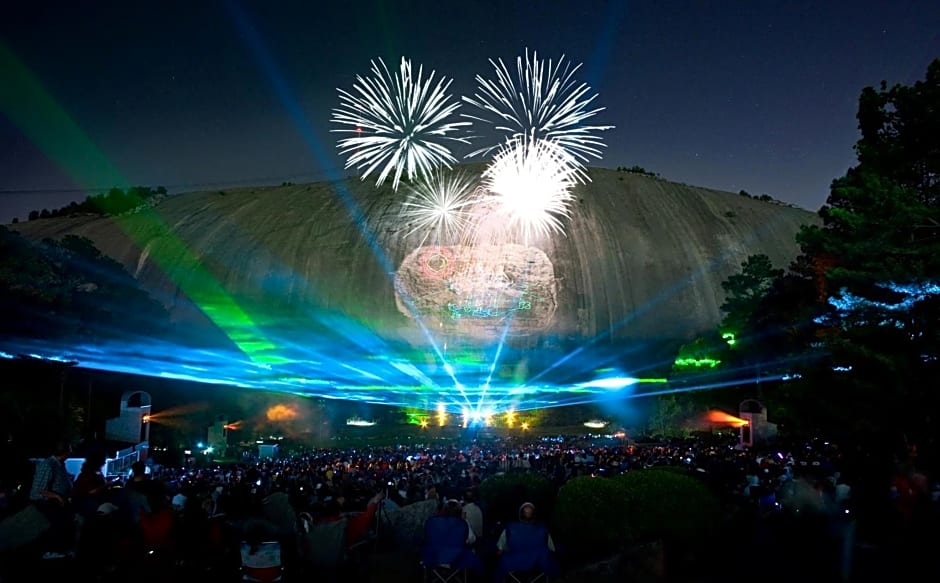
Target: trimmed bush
<point>590,517</point>
<point>664,504</point>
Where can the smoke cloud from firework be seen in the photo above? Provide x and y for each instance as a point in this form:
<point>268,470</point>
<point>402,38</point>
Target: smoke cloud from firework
<point>281,412</point>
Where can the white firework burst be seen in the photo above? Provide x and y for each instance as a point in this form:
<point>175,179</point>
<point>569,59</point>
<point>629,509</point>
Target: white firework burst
<point>400,123</point>
<point>440,205</point>
<point>542,102</point>
<point>529,185</point>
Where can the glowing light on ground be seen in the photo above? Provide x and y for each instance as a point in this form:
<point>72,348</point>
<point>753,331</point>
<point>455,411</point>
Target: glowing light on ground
<point>357,422</point>
<point>399,123</point>
<point>696,362</point>
<point>595,424</point>
<point>528,185</point>
<point>542,101</point>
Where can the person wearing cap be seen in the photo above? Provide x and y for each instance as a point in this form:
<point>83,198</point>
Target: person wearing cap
<point>525,545</point>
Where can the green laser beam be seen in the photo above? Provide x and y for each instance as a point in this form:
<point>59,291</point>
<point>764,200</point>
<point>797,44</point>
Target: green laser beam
<point>25,101</point>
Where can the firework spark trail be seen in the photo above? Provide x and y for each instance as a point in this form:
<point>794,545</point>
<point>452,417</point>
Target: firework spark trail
<point>400,122</point>
<point>547,104</point>
<point>440,205</point>
<point>529,184</point>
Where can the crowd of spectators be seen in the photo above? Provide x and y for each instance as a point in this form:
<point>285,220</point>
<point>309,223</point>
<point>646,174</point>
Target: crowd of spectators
<point>201,517</point>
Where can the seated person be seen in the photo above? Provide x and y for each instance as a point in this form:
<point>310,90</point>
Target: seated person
<point>357,525</point>
<point>448,537</point>
<point>525,546</point>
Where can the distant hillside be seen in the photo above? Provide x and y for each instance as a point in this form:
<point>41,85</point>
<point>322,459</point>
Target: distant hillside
<point>643,257</point>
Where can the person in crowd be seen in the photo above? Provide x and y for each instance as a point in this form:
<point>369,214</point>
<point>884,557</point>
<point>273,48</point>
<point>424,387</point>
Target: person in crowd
<point>357,525</point>
<point>448,537</point>
<point>473,514</point>
<point>90,487</point>
<point>525,545</point>
<point>51,493</point>
<point>134,498</point>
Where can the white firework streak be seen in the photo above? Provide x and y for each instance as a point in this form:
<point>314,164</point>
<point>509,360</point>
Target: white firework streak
<point>440,204</point>
<point>400,122</point>
<point>547,104</point>
<point>529,183</point>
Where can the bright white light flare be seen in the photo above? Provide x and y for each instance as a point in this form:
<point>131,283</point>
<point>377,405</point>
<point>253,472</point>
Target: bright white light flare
<point>399,123</point>
<point>529,183</point>
<point>542,102</point>
<point>440,205</point>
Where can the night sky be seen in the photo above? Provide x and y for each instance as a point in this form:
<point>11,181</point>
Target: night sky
<point>757,95</point>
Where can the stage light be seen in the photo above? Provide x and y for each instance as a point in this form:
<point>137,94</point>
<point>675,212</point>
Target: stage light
<point>612,383</point>
<point>595,424</point>
<point>722,418</point>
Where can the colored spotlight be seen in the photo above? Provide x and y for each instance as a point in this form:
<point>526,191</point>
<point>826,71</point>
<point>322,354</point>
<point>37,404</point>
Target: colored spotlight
<point>611,383</point>
<point>722,418</point>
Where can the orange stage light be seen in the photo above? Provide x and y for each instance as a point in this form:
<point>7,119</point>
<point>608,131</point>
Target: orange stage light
<point>722,418</point>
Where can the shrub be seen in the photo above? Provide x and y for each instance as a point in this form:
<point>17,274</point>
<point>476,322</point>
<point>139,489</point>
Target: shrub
<point>503,495</point>
<point>664,504</point>
<point>590,517</point>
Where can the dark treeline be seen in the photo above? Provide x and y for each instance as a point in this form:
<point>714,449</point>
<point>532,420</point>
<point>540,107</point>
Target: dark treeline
<point>112,203</point>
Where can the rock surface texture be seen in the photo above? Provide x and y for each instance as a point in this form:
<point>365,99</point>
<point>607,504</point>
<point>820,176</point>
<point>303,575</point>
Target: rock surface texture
<point>642,258</point>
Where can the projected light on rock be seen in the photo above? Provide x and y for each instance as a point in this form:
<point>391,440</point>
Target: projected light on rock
<point>472,306</point>
<point>479,291</point>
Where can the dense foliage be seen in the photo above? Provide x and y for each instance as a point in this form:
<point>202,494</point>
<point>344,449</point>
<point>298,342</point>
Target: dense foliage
<point>68,290</point>
<point>597,516</point>
<point>857,315</point>
<point>112,203</point>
